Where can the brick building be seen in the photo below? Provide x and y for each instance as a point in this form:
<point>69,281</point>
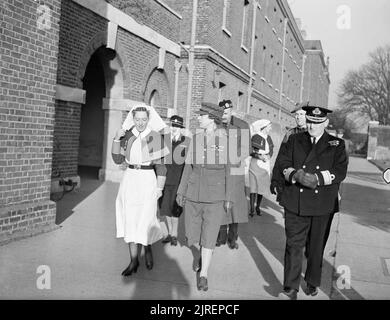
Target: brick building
<point>72,69</point>
<point>239,38</point>
<point>316,80</point>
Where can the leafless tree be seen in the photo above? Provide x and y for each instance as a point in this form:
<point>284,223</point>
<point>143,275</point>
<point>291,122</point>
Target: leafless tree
<point>367,90</point>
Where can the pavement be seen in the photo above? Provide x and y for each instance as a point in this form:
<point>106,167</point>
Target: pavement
<point>83,259</point>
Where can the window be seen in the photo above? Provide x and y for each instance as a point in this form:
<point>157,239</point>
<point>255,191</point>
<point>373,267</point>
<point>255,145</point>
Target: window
<point>226,17</point>
<point>154,98</point>
<point>220,90</point>
<point>245,27</point>
<point>240,100</point>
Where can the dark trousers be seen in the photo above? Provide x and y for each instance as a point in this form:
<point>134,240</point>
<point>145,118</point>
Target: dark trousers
<point>301,231</point>
<point>228,233</point>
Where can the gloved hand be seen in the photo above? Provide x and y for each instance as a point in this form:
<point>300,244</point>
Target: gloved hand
<point>228,206</point>
<point>298,176</point>
<point>273,187</point>
<point>310,180</point>
<point>306,179</point>
<point>180,199</point>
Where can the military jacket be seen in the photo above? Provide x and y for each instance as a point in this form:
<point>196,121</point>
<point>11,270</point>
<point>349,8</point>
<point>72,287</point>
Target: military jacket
<point>206,173</point>
<point>328,160</point>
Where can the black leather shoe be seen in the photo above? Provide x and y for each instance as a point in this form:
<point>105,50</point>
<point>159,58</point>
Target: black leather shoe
<point>132,268</point>
<point>202,284</point>
<point>258,212</point>
<point>173,241</point>
<point>292,294</point>
<point>167,239</point>
<point>148,258</point>
<point>252,214</point>
<point>311,290</point>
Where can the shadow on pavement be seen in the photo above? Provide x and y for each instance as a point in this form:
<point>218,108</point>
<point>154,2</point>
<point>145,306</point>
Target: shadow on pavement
<point>271,235</point>
<point>65,206</point>
<point>170,282</point>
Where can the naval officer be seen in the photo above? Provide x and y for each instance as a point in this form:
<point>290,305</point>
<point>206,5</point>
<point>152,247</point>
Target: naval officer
<point>314,164</point>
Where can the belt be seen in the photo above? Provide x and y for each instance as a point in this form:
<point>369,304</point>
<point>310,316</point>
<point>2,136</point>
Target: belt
<point>138,167</point>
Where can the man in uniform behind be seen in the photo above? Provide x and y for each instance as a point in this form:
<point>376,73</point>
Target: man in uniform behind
<point>314,164</point>
<point>277,181</point>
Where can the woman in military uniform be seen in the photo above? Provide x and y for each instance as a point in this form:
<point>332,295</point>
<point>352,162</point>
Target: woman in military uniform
<point>175,164</point>
<point>205,188</point>
<point>142,150</point>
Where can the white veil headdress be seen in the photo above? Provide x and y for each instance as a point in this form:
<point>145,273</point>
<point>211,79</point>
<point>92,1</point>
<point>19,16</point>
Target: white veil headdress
<point>155,122</point>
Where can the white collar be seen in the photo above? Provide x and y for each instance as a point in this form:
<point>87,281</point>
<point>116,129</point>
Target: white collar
<point>175,137</point>
<point>143,133</point>
<point>317,138</point>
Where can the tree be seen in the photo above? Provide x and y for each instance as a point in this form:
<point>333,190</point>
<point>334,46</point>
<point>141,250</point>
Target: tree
<point>338,121</point>
<point>367,90</point>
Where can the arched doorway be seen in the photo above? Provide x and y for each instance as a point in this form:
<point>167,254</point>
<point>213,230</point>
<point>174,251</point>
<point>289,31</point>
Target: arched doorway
<point>90,158</point>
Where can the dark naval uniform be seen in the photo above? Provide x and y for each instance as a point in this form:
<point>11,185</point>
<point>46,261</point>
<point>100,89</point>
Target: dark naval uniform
<point>205,185</point>
<point>277,179</point>
<point>174,163</point>
<point>236,130</point>
<point>308,210</point>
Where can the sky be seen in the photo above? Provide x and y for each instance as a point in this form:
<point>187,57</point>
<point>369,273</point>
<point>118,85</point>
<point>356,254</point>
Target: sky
<point>347,48</point>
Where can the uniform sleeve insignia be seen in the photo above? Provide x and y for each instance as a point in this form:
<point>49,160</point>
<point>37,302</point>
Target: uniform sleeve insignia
<point>334,143</point>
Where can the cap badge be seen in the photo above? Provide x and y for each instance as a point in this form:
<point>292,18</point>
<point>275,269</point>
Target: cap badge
<point>317,111</point>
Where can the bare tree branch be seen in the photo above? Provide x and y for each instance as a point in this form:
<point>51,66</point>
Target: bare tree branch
<point>367,89</point>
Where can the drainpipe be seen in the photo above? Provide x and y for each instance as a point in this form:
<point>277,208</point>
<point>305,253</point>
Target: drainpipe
<point>248,103</point>
<point>282,77</point>
<point>177,71</point>
<point>302,77</point>
<point>191,61</point>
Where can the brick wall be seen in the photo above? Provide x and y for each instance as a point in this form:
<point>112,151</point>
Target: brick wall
<point>152,14</point>
<point>28,55</point>
<point>82,32</point>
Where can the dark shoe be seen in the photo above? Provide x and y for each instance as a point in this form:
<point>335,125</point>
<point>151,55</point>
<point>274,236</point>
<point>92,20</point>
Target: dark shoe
<point>258,212</point>
<point>311,290</point>
<point>252,200</point>
<point>148,258</point>
<point>202,284</point>
<point>132,268</point>
<point>292,294</point>
<point>233,244</point>
<point>173,241</point>
<point>167,239</point>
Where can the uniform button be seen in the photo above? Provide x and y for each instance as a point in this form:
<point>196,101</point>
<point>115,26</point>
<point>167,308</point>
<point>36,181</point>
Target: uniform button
<point>316,191</point>
<point>301,190</point>
<point>317,167</point>
<point>304,167</point>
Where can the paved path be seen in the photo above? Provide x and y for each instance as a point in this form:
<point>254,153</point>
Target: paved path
<point>86,259</point>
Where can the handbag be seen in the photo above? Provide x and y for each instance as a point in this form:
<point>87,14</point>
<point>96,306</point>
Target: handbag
<point>176,210</point>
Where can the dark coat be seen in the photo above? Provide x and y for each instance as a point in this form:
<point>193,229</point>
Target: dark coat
<point>176,159</point>
<point>328,160</point>
<point>277,175</point>
<point>238,130</point>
